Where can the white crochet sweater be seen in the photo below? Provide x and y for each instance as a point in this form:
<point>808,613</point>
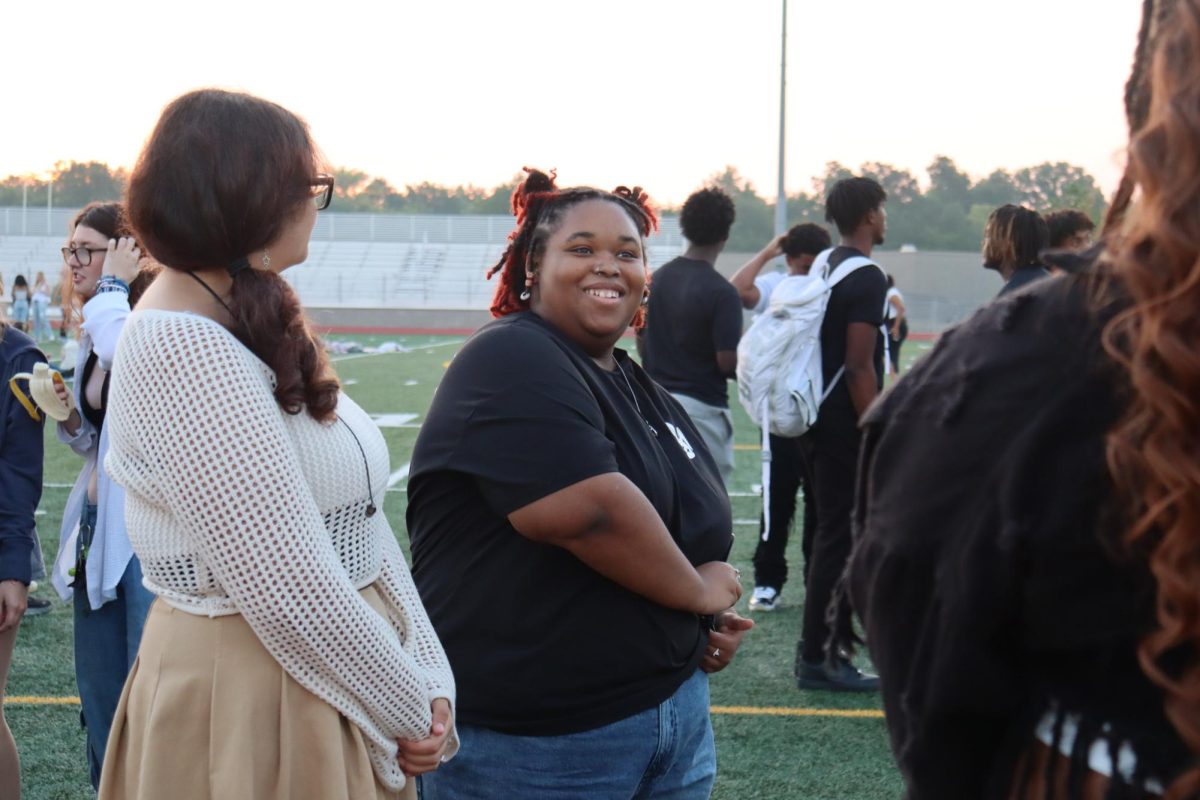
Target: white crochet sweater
<point>235,507</point>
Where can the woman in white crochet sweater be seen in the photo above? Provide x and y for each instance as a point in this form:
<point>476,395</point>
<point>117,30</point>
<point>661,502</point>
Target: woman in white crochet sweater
<point>288,654</point>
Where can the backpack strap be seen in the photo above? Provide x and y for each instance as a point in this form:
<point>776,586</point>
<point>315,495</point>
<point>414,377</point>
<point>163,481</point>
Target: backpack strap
<point>848,266</point>
<point>841,273</point>
<point>820,264</point>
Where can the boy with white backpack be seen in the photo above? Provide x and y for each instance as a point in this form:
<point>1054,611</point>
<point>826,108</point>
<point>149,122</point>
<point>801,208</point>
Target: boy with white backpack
<point>849,291</point>
<point>789,465</point>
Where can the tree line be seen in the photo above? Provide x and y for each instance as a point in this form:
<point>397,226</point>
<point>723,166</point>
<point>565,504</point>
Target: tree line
<point>947,214</point>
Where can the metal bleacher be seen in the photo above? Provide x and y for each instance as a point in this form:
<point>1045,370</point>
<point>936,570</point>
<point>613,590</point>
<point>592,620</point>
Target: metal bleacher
<point>29,255</point>
<point>354,260</point>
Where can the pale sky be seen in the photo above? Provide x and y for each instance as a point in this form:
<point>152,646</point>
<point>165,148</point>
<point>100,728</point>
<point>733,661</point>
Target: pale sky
<point>661,93</point>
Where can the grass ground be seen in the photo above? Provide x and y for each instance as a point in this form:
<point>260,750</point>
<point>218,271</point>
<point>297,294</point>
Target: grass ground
<point>788,754</point>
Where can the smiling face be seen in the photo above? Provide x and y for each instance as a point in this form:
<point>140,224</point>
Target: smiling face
<point>589,278</point>
<point>83,278</point>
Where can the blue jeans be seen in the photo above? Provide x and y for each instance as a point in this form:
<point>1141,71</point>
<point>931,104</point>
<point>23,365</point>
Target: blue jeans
<point>20,312</point>
<point>41,321</point>
<point>666,753</point>
<point>106,642</point>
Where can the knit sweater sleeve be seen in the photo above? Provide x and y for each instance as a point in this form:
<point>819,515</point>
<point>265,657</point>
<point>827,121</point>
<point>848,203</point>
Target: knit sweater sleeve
<point>196,428</point>
<point>420,639</point>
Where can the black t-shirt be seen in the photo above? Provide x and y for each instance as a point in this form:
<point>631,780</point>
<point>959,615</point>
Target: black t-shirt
<point>859,297</point>
<point>693,314</point>
<point>540,643</point>
<point>1022,277</point>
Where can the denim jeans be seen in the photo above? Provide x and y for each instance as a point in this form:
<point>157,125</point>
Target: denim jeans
<point>666,753</point>
<point>41,321</point>
<point>106,642</point>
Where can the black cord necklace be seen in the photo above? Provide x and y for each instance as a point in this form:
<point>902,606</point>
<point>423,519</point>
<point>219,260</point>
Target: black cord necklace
<point>366,466</point>
<point>371,509</point>
<point>633,397</point>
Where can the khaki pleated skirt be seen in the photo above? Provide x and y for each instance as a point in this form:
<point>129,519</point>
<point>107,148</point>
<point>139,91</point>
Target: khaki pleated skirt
<point>208,714</point>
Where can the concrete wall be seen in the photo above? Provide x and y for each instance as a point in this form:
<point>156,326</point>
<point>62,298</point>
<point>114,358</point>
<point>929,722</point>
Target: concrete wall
<point>940,289</point>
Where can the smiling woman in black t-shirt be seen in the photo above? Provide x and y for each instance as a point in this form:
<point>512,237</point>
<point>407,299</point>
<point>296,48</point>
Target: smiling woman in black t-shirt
<point>559,505</point>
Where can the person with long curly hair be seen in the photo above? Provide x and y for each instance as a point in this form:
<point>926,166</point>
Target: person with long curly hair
<point>1037,624</point>
<point>569,528</point>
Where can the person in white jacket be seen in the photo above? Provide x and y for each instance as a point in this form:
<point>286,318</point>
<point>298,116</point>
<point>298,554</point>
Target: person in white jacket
<point>95,562</point>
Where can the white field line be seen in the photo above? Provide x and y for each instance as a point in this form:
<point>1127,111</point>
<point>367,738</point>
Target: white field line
<point>399,475</point>
<point>436,344</point>
<point>352,356</point>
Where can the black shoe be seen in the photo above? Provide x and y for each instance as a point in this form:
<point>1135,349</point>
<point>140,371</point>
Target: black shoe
<point>36,606</point>
<point>834,675</point>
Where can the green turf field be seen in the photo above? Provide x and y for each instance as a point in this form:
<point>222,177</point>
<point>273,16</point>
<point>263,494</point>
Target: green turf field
<point>793,754</point>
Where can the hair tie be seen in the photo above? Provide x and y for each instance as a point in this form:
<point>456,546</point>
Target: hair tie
<point>238,266</point>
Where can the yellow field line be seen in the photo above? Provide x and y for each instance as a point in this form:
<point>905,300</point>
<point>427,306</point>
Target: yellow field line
<point>40,701</point>
<point>858,713</point>
<point>747,447</point>
<point>866,713</point>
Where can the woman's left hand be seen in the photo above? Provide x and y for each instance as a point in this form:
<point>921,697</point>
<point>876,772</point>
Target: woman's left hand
<point>724,642</point>
<point>417,758</point>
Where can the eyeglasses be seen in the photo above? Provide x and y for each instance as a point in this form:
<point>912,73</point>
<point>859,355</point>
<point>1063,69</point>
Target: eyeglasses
<point>82,254</point>
<point>322,189</point>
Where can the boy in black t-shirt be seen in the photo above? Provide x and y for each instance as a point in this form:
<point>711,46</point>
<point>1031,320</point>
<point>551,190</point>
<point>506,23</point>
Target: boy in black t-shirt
<point>851,337</point>
<point>694,322</point>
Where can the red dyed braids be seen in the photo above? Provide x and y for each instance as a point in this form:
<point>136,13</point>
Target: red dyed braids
<point>539,205</point>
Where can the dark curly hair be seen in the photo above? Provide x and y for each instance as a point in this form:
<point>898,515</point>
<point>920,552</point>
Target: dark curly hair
<point>1064,223</point>
<point>851,200</point>
<point>539,206</point>
<point>707,216</point>
<point>806,239</point>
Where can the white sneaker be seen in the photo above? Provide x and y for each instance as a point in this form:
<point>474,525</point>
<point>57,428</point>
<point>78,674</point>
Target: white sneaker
<point>765,598</point>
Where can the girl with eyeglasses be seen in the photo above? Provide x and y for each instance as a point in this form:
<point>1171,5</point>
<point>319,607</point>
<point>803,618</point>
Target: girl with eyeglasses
<point>96,567</point>
<point>288,646</point>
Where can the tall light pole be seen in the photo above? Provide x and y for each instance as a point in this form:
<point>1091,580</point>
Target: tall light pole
<point>781,196</point>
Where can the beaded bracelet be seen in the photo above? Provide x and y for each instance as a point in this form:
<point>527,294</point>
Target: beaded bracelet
<point>111,283</point>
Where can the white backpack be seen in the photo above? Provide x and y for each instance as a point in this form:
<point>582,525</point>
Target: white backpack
<point>781,382</point>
